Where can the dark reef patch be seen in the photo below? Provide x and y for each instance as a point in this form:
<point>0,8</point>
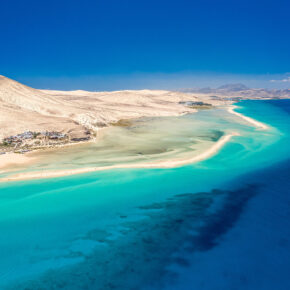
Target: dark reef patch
<point>140,254</point>
<point>220,222</point>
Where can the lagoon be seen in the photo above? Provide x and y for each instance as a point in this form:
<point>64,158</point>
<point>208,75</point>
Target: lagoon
<point>167,228</point>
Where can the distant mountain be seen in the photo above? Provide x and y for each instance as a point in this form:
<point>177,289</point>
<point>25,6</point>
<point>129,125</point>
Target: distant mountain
<point>23,108</point>
<point>240,91</point>
<point>233,87</point>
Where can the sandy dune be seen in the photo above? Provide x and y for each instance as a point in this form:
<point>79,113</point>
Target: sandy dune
<point>23,108</point>
<point>73,112</point>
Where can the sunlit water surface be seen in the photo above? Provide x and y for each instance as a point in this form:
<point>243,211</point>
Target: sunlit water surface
<point>222,223</point>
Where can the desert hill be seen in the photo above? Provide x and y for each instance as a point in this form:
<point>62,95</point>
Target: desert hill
<point>23,108</point>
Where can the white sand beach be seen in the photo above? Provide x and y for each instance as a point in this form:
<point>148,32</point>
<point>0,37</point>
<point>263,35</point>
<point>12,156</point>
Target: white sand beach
<point>7,161</point>
<point>157,164</point>
<point>252,121</point>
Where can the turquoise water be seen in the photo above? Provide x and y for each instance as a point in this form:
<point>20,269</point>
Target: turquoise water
<point>209,225</point>
<point>144,140</point>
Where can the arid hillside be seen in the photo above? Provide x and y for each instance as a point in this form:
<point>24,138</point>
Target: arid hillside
<point>74,112</point>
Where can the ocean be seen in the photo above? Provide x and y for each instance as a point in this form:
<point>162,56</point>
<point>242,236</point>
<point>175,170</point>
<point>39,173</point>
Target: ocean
<point>222,223</point>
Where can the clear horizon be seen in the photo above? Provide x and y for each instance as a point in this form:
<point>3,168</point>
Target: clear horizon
<point>161,81</point>
<point>111,45</point>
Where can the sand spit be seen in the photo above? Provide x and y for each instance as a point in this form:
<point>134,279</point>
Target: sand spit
<point>157,164</point>
<point>19,159</point>
<point>252,121</point>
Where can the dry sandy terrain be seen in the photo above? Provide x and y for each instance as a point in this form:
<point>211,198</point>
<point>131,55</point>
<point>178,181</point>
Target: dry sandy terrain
<point>23,108</point>
<point>73,112</point>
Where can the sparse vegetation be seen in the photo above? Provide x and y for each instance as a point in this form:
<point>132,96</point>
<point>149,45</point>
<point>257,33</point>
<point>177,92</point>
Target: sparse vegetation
<point>197,105</point>
<point>201,107</point>
<point>35,134</point>
<point>123,123</point>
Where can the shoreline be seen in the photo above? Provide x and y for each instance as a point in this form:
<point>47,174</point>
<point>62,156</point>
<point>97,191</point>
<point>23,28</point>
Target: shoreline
<point>157,165</point>
<point>13,158</point>
<point>250,120</point>
<point>19,159</point>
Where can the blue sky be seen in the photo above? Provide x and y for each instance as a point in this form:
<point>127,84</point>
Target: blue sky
<point>113,44</point>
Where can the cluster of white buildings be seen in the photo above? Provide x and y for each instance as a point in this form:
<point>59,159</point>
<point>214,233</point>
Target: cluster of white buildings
<point>33,135</point>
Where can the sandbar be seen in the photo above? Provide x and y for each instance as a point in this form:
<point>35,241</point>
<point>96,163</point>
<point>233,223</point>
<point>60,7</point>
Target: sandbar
<point>252,121</point>
<point>157,164</point>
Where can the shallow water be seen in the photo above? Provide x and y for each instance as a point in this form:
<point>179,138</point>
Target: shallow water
<point>208,225</point>
<point>145,140</point>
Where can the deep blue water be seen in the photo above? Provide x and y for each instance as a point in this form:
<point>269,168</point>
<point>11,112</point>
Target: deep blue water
<point>223,223</point>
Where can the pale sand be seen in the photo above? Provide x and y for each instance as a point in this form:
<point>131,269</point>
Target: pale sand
<point>73,112</point>
<point>10,159</point>
<point>158,164</point>
<point>19,159</point>
<point>248,119</point>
